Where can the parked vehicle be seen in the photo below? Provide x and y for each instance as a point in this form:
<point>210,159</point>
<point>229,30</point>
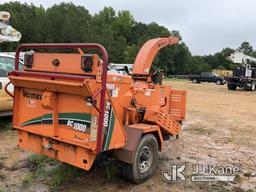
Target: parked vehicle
<point>208,77</point>
<point>244,75</point>
<point>124,69</point>
<point>6,65</point>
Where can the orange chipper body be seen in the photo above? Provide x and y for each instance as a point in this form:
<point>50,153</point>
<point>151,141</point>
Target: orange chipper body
<point>68,107</point>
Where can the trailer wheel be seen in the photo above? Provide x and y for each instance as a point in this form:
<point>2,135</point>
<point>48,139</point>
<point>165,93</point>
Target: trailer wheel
<point>146,158</point>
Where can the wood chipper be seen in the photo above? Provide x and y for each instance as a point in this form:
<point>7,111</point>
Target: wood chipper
<point>68,107</point>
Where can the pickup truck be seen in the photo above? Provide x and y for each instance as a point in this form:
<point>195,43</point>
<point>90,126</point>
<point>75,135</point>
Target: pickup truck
<point>208,77</point>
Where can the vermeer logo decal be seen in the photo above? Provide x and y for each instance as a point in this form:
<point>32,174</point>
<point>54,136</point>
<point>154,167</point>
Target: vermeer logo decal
<point>31,95</point>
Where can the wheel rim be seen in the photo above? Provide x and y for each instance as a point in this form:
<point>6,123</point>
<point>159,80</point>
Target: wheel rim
<point>194,80</point>
<point>145,159</point>
<point>253,87</point>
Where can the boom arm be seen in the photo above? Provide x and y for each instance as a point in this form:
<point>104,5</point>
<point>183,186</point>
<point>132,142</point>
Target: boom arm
<point>241,58</point>
<point>147,53</point>
<point>7,32</point>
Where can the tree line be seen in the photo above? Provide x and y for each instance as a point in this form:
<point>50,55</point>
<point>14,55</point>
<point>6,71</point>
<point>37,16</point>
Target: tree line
<point>116,30</point>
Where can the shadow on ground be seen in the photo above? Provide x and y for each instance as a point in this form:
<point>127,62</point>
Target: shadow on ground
<point>5,123</point>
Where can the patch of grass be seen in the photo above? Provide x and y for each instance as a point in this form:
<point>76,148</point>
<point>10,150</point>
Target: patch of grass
<point>228,140</point>
<point>51,171</point>
<point>38,165</point>
<point>27,180</point>
<point>112,171</point>
<point>1,190</point>
<point>173,79</point>
<point>41,160</point>
<point>62,173</point>
<point>54,173</point>
<point>2,176</point>
<point>200,130</point>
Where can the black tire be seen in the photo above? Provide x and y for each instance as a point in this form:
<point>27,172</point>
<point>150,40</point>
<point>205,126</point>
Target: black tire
<point>231,86</point>
<point>218,82</point>
<point>145,163</point>
<point>194,80</point>
<point>251,88</point>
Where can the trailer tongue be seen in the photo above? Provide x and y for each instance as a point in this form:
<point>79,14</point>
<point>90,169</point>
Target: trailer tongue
<point>67,106</point>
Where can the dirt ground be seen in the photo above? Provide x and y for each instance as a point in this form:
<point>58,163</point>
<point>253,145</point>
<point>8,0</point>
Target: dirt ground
<point>219,129</point>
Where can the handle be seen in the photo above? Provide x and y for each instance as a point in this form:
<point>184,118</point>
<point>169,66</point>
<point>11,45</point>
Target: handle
<point>6,90</point>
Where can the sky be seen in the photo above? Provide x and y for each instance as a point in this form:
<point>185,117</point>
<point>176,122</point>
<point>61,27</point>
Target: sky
<point>206,26</point>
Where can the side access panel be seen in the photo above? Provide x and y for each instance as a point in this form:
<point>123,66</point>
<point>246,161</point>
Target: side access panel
<point>178,105</point>
<point>53,118</point>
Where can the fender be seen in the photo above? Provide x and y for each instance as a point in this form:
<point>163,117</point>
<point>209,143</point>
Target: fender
<point>134,133</point>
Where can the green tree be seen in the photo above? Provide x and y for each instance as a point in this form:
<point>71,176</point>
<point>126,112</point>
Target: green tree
<point>29,20</point>
<point>67,23</point>
<point>117,31</point>
<point>137,32</point>
<point>130,53</point>
<point>246,48</point>
<point>124,23</point>
<point>199,65</point>
<point>219,59</point>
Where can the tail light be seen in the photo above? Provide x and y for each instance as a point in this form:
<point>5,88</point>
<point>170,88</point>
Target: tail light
<point>28,60</point>
<point>87,63</point>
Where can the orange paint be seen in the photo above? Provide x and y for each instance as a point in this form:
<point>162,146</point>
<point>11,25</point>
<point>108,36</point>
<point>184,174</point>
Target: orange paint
<point>57,115</point>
